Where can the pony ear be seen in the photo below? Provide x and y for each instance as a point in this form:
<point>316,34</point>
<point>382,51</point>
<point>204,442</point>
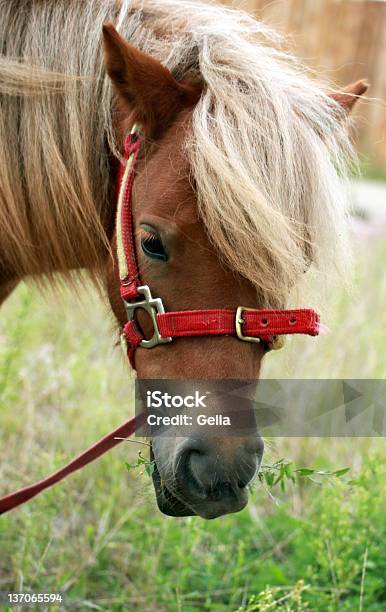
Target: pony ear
<point>147,89</point>
<point>348,96</point>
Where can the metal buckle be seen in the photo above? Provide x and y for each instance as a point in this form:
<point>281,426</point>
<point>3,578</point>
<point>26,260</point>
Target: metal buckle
<point>153,306</point>
<point>276,343</point>
<point>239,322</point>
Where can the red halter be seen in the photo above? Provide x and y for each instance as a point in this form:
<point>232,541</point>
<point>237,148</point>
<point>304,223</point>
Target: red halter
<point>248,324</point>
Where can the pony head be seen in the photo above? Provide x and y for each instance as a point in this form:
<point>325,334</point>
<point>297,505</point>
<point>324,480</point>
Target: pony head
<point>237,192</point>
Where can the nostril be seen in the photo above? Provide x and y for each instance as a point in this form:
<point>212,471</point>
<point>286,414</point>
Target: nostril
<point>203,474</point>
<point>189,469</point>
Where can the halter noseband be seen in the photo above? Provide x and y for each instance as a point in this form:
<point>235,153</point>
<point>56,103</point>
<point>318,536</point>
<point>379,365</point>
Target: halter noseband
<point>248,324</point>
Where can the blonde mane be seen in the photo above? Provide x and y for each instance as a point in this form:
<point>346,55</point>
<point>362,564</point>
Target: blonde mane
<point>268,150</point>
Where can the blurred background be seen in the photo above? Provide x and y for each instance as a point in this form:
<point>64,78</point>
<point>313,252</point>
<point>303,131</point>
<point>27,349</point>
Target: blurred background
<point>343,40</point>
<point>306,541</point>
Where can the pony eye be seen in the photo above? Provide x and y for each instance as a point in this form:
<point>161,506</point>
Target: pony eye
<point>151,245</point>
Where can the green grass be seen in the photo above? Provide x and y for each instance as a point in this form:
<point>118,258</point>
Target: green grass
<point>98,536</point>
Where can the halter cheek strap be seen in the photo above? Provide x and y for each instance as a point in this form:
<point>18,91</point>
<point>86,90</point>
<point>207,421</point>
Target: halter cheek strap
<point>248,324</point>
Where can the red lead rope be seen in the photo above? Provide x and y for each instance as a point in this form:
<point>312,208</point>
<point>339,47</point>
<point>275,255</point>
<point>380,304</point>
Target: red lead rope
<point>11,501</point>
